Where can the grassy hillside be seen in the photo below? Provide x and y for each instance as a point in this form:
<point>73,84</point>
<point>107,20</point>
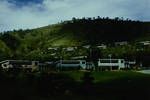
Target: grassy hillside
<point>87,31</point>
<point>76,32</point>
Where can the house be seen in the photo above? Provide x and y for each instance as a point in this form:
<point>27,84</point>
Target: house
<point>142,45</point>
<point>122,43</point>
<point>71,64</point>
<point>102,46</point>
<point>52,48</point>
<point>79,57</point>
<point>87,46</point>
<point>111,64</point>
<point>53,54</point>
<point>145,43</point>
<point>19,64</point>
<point>70,49</point>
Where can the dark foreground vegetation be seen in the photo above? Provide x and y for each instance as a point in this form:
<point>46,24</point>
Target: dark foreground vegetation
<point>74,86</point>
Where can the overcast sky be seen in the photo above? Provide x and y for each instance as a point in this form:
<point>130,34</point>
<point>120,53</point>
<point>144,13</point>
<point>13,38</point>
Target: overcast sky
<point>23,14</point>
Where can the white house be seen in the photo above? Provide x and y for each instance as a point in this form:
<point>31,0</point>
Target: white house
<point>111,63</point>
<point>70,48</point>
<point>71,64</point>
<point>145,43</point>
<point>87,46</point>
<point>102,46</point>
<point>79,57</point>
<point>52,48</point>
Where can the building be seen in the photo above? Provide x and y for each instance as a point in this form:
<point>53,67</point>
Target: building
<point>53,48</point>
<point>71,64</point>
<point>145,43</point>
<point>87,46</point>
<point>70,49</point>
<point>79,57</point>
<point>102,46</point>
<point>111,64</point>
<point>19,64</point>
<point>121,43</point>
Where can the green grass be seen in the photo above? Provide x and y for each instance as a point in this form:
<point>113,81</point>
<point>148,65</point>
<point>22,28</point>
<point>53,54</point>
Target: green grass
<point>108,75</point>
<point>116,85</point>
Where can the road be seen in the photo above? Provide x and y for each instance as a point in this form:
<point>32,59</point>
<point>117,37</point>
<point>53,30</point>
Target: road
<point>145,71</point>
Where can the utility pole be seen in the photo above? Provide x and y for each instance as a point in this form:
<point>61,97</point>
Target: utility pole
<point>110,61</point>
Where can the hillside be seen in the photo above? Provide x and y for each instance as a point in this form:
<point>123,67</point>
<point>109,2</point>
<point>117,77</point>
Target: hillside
<point>76,32</point>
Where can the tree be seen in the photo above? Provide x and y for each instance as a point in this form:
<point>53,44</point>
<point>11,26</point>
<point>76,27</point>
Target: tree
<point>11,41</point>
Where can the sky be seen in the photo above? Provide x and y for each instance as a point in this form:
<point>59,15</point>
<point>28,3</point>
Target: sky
<point>28,14</point>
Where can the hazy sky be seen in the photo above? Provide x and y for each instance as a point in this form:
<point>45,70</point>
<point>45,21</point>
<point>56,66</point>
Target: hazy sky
<point>17,14</point>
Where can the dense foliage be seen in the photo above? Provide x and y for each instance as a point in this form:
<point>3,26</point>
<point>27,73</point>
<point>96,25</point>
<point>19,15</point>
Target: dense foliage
<point>96,30</point>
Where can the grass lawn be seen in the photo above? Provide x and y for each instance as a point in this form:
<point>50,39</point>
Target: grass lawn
<point>116,85</point>
<point>108,75</point>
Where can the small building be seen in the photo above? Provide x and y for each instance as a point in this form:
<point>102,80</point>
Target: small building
<point>71,64</point>
<point>52,48</point>
<point>142,45</point>
<point>79,57</point>
<point>102,46</point>
<point>122,43</point>
<point>19,64</point>
<point>145,43</point>
<point>69,49</point>
<point>111,64</point>
<point>87,46</point>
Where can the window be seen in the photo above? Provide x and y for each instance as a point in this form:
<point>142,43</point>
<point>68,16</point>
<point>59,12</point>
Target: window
<point>36,63</point>
<point>5,65</point>
<point>122,61</point>
<point>83,62</point>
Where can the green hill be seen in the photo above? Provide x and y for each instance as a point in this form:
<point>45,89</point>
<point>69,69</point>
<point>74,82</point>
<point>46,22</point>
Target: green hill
<point>75,32</point>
